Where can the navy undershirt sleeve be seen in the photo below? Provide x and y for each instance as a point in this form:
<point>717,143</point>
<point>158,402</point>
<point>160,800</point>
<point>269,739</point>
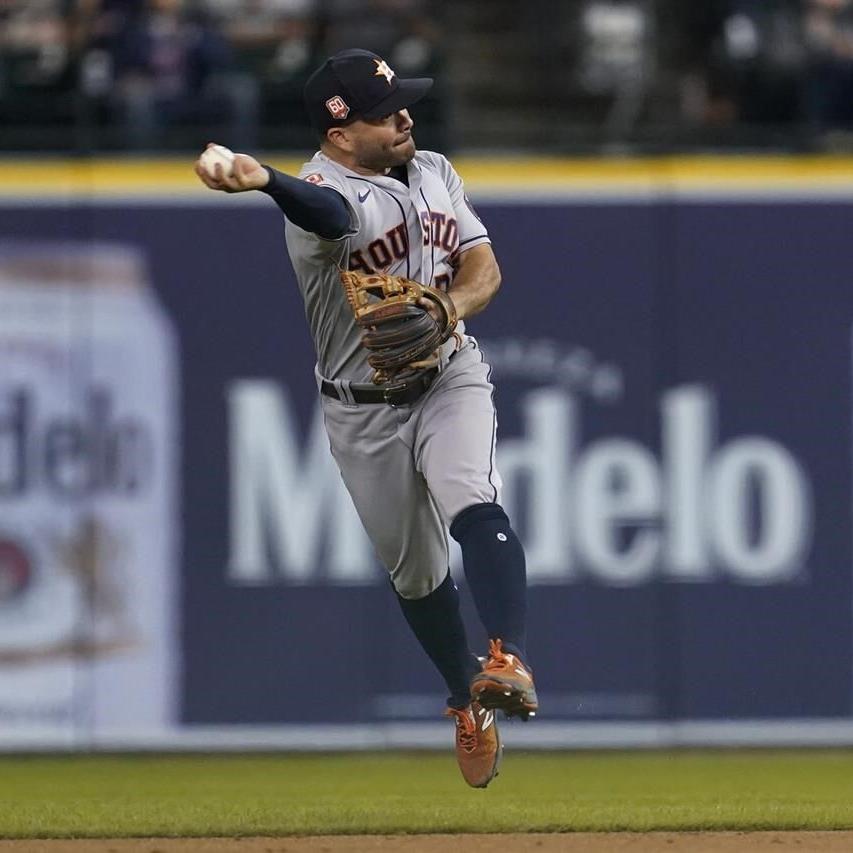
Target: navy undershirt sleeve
<point>320,210</point>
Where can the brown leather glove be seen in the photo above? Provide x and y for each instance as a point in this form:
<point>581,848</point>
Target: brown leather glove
<point>404,323</point>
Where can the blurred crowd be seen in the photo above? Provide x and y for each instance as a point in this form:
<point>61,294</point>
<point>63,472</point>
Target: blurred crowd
<point>153,74</point>
<point>769,62</point>
<point>147,74</point>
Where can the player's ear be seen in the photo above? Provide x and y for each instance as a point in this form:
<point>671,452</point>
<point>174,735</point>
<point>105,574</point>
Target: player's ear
<point>339,137</point>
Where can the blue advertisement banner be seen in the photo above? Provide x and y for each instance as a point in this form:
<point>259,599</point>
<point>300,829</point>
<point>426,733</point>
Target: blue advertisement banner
<point>674,408</point>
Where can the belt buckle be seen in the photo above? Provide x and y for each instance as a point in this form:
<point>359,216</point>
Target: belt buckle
<point>422,382</point>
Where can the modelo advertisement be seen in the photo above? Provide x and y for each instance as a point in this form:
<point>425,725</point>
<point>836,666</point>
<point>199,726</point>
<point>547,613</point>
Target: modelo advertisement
<point>88,511</point>
<point>674,409</point>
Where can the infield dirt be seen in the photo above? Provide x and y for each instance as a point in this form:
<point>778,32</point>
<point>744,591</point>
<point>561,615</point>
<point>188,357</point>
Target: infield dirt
<point>581,842</point>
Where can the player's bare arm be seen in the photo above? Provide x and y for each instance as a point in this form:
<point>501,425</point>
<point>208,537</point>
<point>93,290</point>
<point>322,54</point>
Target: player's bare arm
<point>476,281</point>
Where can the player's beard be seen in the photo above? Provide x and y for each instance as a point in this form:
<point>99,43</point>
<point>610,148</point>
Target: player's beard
<point>382,159</point>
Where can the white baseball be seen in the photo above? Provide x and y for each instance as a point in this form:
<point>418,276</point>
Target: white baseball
<point>217,154</point>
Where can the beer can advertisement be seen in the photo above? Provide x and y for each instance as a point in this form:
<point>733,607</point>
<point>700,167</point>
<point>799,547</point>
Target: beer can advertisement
<point>675,426</point>
<point>88,534</point>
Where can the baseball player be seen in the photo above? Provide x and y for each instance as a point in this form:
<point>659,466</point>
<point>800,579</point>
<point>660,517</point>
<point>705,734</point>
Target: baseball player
<point>416,453</point>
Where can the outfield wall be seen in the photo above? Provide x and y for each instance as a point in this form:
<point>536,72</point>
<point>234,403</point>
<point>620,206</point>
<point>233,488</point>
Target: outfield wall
<point>180,567</point>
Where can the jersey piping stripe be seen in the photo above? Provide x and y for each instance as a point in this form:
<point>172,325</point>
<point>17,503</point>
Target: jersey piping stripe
<point>492,444</point>
<point>431,241</point>
<point>494,436</point>
<point>470,240</point>
<point>402,213</point>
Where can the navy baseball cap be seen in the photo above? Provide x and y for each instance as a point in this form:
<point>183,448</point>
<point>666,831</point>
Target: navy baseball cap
<point>357,84</point>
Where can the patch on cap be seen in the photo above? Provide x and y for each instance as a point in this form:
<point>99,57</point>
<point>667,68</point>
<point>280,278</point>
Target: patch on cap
<point>337,106</point>
<point>314,178</point>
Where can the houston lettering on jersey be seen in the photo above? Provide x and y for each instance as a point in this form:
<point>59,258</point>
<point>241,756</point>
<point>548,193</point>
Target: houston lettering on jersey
<point>439,230</point>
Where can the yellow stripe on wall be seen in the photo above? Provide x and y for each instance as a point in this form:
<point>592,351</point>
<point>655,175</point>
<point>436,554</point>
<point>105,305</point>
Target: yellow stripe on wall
<point>678,172</point>
<point>163,177</point>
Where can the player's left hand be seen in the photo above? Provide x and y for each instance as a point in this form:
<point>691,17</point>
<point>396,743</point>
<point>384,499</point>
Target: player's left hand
<point>433,308</point>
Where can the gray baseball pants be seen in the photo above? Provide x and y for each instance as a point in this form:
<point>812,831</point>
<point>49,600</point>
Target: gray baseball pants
<point>411,469</point>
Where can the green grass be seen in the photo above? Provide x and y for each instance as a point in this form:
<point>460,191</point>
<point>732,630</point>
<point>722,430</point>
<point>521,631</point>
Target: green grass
<point>422,792</point>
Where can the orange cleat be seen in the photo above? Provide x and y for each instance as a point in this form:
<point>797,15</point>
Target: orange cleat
<point>478,744</point>
<point>505,684</point>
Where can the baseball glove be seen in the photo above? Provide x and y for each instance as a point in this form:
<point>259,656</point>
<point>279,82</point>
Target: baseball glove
<point>401,333</point>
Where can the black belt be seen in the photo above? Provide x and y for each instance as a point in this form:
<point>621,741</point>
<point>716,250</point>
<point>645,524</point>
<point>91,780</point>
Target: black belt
<point>401,395</point>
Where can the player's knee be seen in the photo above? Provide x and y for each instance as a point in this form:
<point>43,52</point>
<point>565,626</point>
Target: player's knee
<point>473,516</point>
<point>415,585</point>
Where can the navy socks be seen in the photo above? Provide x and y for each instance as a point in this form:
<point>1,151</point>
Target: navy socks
<point>493,560</point>
<point>437,623</point>
<point>495,570</point>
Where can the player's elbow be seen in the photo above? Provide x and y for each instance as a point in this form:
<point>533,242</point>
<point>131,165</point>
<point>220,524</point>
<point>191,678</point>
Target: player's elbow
<point>495,278</point>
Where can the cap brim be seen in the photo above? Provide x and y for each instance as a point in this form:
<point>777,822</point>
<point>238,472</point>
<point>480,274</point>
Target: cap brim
<point>408,92</point>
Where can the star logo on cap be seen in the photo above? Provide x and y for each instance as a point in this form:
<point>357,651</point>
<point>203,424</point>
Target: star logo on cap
<point>382,70</point>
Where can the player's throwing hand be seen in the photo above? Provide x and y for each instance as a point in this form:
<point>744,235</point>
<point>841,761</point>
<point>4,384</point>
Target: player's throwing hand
<point>242,173</point>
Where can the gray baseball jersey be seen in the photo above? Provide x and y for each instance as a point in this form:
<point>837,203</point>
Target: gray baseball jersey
<point>414,231</point>
<point>409,469</point>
